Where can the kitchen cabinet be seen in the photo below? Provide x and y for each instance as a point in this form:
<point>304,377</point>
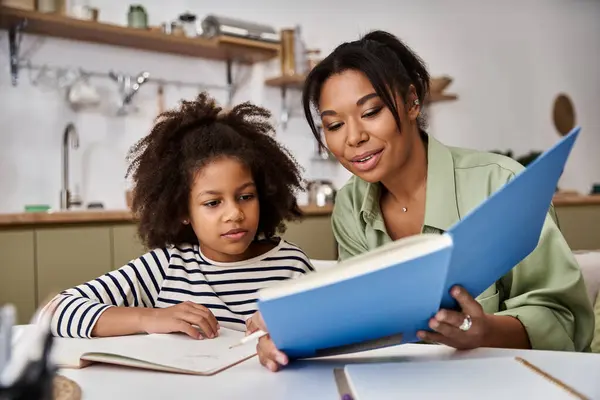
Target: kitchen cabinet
<point>17,272</point>
<point>580,225</point>
<point>314,235</point>
<point>126,245</point>
<point>67,256</point>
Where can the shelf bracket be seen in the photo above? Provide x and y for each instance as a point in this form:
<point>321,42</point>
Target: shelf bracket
<point>15,35</point>
<point>230,89</point>
<point>285,111</point>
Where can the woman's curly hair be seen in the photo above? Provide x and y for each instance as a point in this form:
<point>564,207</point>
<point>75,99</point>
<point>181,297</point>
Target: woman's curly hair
<point>164,163</point>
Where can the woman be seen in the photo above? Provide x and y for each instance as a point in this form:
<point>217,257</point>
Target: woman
<point>368,94</point>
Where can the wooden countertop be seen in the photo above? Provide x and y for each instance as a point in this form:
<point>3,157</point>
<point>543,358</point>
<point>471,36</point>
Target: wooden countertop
<point>101,216</point>
<point>124,216</point>
<point>564,200</point>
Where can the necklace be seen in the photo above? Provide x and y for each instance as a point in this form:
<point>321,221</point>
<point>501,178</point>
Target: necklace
<point>404,209</point>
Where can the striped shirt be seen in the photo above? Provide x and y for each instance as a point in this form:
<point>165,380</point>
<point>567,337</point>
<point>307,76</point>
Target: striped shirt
<point>164,277</point>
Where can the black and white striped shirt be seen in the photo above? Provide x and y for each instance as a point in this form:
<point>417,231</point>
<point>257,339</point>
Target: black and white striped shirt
<point>165,277</point>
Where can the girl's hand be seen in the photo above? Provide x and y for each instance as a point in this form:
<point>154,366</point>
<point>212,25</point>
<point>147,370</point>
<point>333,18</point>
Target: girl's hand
<point>268,354</point>
<point>181,318</point>
<point>468,329</point>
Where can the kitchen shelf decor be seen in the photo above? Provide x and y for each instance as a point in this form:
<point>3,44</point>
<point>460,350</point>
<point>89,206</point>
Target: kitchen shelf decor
<point>225,48</point>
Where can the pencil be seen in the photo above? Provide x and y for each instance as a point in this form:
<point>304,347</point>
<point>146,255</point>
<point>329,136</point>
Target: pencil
<point>256,335</point>
<point>552,379</point>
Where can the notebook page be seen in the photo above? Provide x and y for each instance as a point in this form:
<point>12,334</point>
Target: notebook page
<point>451,379</point>
<point>171,350</point>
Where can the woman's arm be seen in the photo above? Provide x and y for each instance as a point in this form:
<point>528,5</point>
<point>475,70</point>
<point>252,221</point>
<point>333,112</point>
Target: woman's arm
<point>547,294</point>
<point>83,311</point>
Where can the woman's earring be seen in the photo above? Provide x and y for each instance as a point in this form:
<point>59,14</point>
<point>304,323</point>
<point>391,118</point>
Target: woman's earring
<point>186,222</point>
<point>416,102</point>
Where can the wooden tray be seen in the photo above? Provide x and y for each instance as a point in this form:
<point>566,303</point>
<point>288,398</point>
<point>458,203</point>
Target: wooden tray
<point>66,389</point>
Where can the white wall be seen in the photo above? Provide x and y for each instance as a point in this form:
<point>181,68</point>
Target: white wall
<point>508,58</point>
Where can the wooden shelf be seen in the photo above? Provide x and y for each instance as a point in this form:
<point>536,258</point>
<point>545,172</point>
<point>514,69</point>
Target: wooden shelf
<point>220,48</point>
<point>292,81</point>
<point>297,82</point>
<point>438,97</point>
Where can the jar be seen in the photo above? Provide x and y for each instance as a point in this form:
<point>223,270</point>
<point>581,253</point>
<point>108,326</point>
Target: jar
<point>188,22</point>
<point>137,17</point>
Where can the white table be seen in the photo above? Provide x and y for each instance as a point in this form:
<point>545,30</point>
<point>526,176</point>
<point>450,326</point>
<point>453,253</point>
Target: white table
<point>307,379</point>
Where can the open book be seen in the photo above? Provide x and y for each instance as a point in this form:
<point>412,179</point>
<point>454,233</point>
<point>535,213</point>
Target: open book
<point>383,297</point>
<point>453,379</point>
<point>162,352</point>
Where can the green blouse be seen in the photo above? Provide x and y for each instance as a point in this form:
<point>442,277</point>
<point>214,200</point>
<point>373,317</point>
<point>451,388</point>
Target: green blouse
<point>546,291</point>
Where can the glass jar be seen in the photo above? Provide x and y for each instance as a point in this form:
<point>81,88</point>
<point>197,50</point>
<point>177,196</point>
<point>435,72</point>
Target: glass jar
<point>137,17</point>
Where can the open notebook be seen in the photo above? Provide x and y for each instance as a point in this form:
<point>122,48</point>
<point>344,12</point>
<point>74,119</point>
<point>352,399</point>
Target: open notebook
<point>162,352</point>
<point>453,379</point>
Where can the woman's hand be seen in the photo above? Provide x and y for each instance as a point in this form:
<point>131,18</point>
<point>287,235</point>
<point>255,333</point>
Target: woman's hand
<point>181,318</point>
<point>472,327</point>
<point>447,324</point>
<point>268,354</point>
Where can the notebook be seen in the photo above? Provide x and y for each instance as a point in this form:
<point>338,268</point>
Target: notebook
<point>384,296</point>
<point>452,379</point>
<point>174,352</point>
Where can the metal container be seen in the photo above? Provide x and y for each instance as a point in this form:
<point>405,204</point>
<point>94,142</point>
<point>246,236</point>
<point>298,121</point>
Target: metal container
<point>321,193</point>
<point>214,25</point>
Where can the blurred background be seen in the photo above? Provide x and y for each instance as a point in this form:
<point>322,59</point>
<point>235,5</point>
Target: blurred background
<point>82,80</point>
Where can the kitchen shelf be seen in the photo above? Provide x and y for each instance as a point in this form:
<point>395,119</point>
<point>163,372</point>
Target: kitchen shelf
<point>438,97</point>
<point>287,81</point>
<point>220,48</point>
<point>297,82</point>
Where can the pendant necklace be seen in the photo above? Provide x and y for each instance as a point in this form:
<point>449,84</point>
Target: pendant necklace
<point>404,209</point>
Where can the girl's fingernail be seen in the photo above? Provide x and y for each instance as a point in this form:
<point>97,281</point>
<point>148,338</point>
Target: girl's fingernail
<point>281,359</point>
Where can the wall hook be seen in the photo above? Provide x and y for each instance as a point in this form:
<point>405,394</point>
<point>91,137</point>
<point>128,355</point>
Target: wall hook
<point>15,35</point>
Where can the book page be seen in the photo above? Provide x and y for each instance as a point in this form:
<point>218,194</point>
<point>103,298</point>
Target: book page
<point>390,254</point>
<point>174,351</point>
<point>450,379</point>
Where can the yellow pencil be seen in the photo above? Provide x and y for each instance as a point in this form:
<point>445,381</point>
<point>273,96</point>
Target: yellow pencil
<point>552,379</point>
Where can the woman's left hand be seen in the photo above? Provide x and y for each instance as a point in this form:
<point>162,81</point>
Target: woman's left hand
<point>466,329</point>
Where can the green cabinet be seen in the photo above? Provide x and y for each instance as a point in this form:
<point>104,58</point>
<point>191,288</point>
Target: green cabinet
<point>314,235</point>
<point>17,272</point>
<point>126,245</point>
<point>70,255</point>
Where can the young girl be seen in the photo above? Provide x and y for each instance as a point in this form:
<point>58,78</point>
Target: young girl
<point>211,191</point>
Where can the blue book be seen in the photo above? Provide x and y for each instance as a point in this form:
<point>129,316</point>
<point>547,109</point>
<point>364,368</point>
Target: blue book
<point>383,297</point>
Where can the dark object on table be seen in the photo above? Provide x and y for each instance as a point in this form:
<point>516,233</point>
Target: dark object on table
<point>36,381</point>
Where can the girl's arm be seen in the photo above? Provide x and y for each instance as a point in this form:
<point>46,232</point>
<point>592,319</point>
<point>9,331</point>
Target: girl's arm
<point>90,309</point>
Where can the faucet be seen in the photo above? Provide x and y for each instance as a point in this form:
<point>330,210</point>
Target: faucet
<point>70,137</point>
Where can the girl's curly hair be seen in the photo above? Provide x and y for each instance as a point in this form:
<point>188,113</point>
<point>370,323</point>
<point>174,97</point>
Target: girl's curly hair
<point>164,163</point>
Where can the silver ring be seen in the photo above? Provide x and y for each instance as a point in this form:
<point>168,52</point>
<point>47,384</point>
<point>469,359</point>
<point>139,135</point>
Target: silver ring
<point>466,324</point>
